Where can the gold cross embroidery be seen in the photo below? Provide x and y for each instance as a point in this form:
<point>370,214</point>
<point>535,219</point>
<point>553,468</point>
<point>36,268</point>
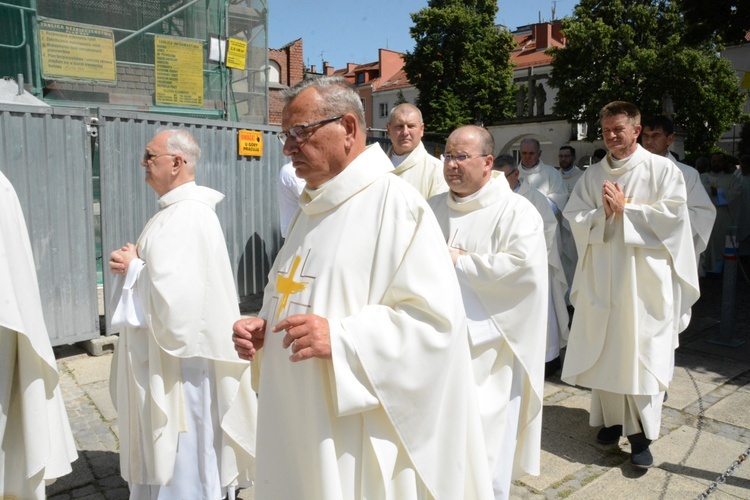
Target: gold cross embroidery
<point>286,286</point>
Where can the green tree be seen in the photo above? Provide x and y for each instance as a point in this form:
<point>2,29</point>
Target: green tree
<point>400,99</point>
<point>726,21</point>
<point>633,50</point>
<point>460,64</point>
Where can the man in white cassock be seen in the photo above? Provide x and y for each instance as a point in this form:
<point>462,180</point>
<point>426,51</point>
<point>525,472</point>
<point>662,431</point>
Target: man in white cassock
<point>365,387</point>
<point>635,282</point>
<point>542,177</point>
<point>36,443</point>
<point>185,403</point>
<point>496,240</point>
<point>724,188</point>
<point>570,173</point>
<point>558,317</point>
<point>410,159</point>
<point>656,137</point>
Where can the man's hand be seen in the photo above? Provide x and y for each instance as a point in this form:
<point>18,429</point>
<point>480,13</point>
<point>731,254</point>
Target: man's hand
<point>119,260</point>
<point>308,334</point>
<point>248,335</point>
<point>613,199</point>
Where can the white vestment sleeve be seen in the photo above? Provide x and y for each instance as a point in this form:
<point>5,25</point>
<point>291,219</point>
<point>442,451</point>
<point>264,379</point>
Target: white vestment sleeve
<point>127,307</point>
<point>479,322</point>
<point>353,392</point>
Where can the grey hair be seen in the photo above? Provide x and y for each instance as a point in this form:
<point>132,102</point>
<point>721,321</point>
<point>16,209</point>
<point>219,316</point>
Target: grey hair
<point>533,141</point>
<point>502,161</point>
<point>338,95</point>
<point>182,142</point>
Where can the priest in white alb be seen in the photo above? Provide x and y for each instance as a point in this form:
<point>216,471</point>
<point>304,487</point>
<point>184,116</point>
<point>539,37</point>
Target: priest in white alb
<point>558,316</point>
<point>36,443</point>
<point>542,177</point>
<point>635,281</point>
<point>657,136</point>
<point>185,405</point>
<point>410,159</point>
<point>496,239</point>
<point>365,387</point>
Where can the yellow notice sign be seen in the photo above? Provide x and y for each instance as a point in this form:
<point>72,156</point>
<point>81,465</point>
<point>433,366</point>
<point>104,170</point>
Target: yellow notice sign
<point>178,67</point>
<point>236,54</point>
<point>72,51</point>
<point>250,143</point>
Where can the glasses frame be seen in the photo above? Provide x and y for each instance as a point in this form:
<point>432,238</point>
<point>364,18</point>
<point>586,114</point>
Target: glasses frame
<point>449,157</point>
<point>150,157</point>
<point>298,134</point>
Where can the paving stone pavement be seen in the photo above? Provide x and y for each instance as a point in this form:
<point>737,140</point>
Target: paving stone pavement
<point>705,425</point>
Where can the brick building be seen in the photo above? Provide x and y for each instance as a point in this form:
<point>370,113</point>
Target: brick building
<point>285,68</point>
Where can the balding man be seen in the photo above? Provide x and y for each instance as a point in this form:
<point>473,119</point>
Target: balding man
<point>365,376</point>
<point>496,239</point>
<point>410,159</point>
<point>542,177</point>
<point>558,317</point>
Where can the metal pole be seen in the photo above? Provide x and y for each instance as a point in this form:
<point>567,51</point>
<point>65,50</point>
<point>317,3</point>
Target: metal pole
<point>728,294</point>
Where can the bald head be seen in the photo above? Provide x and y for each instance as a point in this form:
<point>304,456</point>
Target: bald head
<point>474,145</point>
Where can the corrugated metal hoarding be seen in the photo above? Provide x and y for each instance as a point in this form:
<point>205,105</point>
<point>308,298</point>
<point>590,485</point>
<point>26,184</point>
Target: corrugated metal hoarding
<point>46,154</point>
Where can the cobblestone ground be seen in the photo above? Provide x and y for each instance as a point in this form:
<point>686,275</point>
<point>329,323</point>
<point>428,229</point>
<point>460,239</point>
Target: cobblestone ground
<point>705,425</point>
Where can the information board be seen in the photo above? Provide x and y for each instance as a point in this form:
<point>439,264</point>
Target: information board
<point>73,51</point>
<point>236,54</point>
<point>178,68</point>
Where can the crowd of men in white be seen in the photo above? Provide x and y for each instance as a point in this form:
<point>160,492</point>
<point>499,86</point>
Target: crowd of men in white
<point>408,323</point>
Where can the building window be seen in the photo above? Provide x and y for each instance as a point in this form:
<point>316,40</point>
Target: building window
<point>383,109</point>
<point>360,78</point>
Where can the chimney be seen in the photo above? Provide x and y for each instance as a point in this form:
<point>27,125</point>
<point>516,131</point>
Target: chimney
<point>313,69</point>
<point>327,70</point>
<point>543,35</point>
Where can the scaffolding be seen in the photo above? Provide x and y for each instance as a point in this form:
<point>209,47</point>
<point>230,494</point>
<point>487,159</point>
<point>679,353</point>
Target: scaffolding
<point>133,28</point>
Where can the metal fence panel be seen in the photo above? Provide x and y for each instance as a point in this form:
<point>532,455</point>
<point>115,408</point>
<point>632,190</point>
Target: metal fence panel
<point>46,154</point>
<point>248,214</point>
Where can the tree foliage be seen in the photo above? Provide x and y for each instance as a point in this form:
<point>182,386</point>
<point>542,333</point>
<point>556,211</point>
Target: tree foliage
<point>725,21</point>
<point>460,64</point>
<point>633,50</point>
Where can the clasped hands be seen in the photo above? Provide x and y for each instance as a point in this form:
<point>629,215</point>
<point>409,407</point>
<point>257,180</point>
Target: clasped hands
<point>119,260</point>
<point>308,334</point>
<point>613,199</point>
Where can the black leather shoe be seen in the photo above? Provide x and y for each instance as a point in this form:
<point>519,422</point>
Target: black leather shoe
<point>640,455</point>
<point>552,367</point>
<point>609,435</point>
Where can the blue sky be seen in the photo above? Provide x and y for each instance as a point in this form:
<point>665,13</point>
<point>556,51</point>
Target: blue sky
<point>341,31</point>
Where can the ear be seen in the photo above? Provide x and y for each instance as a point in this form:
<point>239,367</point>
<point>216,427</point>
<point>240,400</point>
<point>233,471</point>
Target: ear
<point>487,167</point>
<point>178,165</point>
<point>351,127</point>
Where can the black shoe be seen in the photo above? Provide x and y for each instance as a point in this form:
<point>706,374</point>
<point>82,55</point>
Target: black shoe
<point>640,455</point>
<point>609,435</point>
<point>552,367</point>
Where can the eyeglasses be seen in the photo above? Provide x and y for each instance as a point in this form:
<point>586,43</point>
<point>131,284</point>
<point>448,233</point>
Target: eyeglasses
<point>298,133</point>
<point>148,157</point>
<point>460,157</point>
